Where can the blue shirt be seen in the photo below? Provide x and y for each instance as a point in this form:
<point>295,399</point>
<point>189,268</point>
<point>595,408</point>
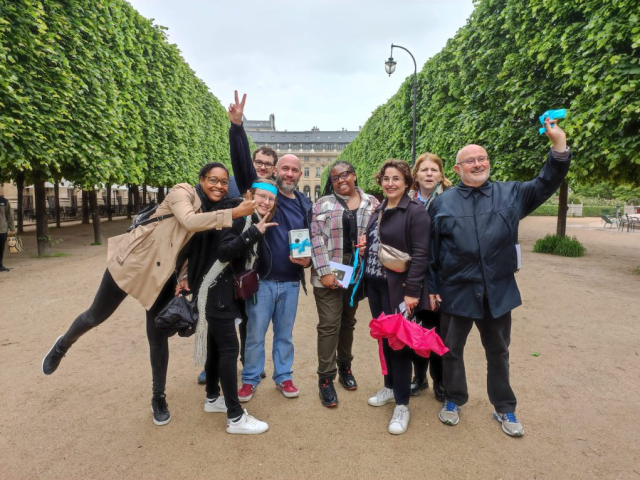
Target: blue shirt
<point>289,216</point>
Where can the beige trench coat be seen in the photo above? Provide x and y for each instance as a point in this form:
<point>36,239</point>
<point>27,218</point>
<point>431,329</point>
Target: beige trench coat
<point>142,261</point>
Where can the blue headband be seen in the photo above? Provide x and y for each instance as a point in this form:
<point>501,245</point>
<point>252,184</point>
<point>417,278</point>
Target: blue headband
<point>265,186</point>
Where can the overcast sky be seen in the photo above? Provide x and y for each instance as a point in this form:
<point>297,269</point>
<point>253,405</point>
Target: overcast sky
<point>309,63</point>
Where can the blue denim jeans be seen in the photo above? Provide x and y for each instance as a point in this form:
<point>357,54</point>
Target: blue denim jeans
<point>277,302</point>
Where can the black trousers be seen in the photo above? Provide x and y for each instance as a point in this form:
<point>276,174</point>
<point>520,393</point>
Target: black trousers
<point>398,377</point>
<point>495,334</point>
<point>222,363</point>
<point>107,300</point>
<point>428,319</point>
<point>3,241</point>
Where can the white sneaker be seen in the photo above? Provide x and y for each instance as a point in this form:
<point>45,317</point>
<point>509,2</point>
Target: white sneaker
<point>215,406</point>
<point>246,425</point>
<point>381,398</point>
<point>400,420</point>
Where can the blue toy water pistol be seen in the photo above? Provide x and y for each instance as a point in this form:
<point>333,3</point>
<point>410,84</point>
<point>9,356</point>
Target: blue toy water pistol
<point>552,114</point>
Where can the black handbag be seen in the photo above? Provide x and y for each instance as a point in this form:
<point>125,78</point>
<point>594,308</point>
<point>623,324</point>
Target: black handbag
<point>179,316</point>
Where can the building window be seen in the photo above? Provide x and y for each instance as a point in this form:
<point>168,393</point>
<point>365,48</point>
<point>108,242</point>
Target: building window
<point>318,159</point>
<point>306,172</point>
<point>307,191</point>
<point>317,192</point>
<point>306,159</point>
<point>284,146</point>
<point>306,146</point>
<point>318,171</point>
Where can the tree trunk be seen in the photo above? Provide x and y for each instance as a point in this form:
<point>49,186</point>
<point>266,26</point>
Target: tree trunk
<point>95,217</point>
<point>85,207</point>
<point>20,185</point>
<point>135,192</point>
<point>129,202</point>
<point>109,216</point>
<point>144,194</point>
<point>160,194</point>
<point>42,221</point>
<point>56,192</point>
<point>561,229</point>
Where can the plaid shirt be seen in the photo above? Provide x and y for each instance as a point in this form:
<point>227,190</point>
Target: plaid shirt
<point>327,231</point>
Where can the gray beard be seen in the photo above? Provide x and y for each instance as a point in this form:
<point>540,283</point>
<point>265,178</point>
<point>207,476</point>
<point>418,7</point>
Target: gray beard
<point>285,188</point>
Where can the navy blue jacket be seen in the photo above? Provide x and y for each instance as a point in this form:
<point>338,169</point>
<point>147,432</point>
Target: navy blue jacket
<point>474,236</point>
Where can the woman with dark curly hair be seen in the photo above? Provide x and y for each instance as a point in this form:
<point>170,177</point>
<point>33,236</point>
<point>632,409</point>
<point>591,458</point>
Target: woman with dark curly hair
<point>404,224</point>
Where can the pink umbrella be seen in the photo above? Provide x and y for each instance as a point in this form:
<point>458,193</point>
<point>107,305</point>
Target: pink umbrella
<point>400,332</point>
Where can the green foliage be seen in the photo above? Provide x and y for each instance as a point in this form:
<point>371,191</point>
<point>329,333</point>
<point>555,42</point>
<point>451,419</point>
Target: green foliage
<point>512,61</point>
<point>53,255</point>
<point>92,91</point>
<point>546,211</point>
<point>560,245</point>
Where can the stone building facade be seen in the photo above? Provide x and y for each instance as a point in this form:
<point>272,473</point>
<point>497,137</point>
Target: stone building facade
<point>315,148</point>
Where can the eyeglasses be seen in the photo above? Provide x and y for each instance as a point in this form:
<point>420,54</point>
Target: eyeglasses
<point>471,161</point>
<point>265,198</point>
<point>216,181</point>
<point>261,164</point>
<point>342,175</point>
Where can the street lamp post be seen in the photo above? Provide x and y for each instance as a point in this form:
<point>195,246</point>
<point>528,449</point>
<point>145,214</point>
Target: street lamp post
<point>390,67</point>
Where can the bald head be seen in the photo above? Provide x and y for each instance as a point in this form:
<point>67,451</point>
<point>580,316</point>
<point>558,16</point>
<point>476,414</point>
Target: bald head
<point>470,151</point>
<point>472,164</point>
<point>289,158</point>
<point>288,173</point>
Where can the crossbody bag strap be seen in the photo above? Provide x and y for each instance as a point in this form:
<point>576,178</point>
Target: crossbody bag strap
<point>353,222</point>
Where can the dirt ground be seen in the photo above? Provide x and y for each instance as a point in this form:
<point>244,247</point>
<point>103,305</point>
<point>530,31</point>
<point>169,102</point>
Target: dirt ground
<point>578,399</point>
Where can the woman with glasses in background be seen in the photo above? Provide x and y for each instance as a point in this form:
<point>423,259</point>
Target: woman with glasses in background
<point>339,218</point>
<point>144,263</point>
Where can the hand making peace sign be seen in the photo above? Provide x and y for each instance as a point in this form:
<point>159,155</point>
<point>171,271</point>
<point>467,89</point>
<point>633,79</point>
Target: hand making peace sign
<point>237,109</point>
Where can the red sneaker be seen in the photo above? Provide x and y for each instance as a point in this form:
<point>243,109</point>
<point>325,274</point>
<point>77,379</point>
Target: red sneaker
<point>288,389</point>
<point>246,392</point>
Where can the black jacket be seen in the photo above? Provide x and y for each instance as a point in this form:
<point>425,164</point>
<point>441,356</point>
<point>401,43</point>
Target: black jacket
<point>474,232</point>
<point>406,228</point>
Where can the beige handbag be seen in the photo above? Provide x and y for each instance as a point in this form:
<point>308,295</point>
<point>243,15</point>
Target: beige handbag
<point>390,257</point>
<point>15,244</point>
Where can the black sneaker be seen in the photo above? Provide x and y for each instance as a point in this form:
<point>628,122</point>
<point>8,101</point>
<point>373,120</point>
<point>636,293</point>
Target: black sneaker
<point>346,378</point>
<point>263,374</point>
<point>160,409</point>
<point>418,385</point>
<point>52,359</point>
<point>202,378</point>
<point>328,395</point>
<point>3,269</point>
<point>438,391</point>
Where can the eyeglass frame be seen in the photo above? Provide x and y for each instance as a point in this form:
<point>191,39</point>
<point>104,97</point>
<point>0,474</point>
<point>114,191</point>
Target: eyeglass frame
<point>472,161</point>
<point>265,198</point>
<point>261,164</point>
<point>342,175</point>
<point>210,180</point>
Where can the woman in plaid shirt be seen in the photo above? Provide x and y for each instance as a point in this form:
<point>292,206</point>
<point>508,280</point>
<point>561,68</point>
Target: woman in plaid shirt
<point>339,218</point>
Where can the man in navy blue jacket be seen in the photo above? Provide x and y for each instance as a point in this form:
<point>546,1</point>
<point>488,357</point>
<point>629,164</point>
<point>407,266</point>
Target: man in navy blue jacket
<point>473,261</point>
<point>280,274</point>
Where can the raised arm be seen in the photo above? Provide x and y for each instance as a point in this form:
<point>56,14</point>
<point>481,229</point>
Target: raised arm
<point>535,192</point>
<point>241,161</point>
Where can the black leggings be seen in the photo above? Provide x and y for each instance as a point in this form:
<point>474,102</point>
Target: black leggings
<point>398,377</point>
<point>428,319</point>
<point>222,363</point>
<point>107,300</point>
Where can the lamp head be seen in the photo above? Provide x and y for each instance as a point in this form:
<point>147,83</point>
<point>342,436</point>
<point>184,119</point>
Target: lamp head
<point>390,66</point>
